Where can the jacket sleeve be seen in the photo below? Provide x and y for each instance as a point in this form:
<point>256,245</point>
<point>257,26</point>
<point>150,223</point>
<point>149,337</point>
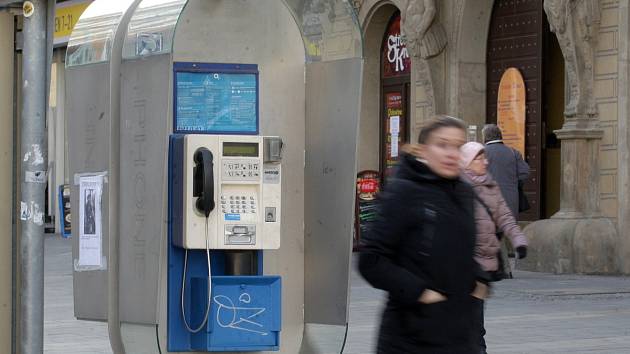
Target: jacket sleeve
<point>522,168</point>
<point>506,223</point>
<point>381,243</point>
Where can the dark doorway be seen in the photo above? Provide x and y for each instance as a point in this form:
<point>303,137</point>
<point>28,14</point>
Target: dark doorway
<point>519,37</point>
<point>515,40</point>
<point>553,119</point>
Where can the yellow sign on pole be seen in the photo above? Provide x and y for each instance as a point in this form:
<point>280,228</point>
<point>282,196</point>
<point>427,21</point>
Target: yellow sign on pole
<point>511,109</point>
<point>66,16</point>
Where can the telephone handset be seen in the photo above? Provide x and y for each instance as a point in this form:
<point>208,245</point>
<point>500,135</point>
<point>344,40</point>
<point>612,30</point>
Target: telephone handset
<point>203,190</point>
<point>203,181</point>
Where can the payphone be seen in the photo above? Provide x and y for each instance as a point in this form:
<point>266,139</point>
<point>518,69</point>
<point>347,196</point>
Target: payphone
<point>225,209</point>
<point>225,202</point>
<point>232,183</point>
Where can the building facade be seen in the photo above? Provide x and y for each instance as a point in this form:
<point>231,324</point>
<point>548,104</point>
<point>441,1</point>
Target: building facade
<point>574,62</point>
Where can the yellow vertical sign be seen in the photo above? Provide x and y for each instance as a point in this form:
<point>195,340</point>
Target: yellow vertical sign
<point>66,16</point>
<point>511,109</point>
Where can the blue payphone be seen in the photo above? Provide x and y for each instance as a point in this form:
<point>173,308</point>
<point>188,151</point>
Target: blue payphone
<point>224,211</point>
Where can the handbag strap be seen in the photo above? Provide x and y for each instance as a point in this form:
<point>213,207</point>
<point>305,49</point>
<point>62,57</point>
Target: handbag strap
<point>489,211</point>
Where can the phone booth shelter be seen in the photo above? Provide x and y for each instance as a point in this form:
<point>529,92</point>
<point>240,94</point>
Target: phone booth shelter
<point>213,149</point>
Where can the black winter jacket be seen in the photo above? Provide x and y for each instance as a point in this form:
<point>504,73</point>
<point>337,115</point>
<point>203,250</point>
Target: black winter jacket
<point>423,238</point>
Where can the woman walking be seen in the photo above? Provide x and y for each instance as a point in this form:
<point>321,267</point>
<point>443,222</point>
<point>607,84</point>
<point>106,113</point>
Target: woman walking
<point>420,249</point>
<point>492,216</point>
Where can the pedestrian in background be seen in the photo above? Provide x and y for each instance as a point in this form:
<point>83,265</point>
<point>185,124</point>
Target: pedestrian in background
<point>505,164</point>
<point>420,249</point>
<point>510,171</point>
<point>492,216</point>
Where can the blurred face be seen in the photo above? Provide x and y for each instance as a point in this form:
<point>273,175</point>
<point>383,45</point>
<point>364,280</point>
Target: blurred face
<point>441,151</point>
<point>479,165</point>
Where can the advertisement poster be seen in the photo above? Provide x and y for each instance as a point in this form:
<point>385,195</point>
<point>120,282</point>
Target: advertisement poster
<point>394,111</point>
<point>65,220</point>
<point>511,109</point>
<point>396,59</point>
<point>90,221</point>
<point>368,185</point>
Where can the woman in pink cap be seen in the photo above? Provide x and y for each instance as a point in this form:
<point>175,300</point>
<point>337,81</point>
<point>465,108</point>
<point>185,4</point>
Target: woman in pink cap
<point>492,216</point>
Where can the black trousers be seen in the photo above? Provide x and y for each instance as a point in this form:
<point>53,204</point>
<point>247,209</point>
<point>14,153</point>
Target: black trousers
<point>480,325</point>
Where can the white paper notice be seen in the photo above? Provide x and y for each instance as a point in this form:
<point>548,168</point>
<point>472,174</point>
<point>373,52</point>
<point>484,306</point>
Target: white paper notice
<point>394,149</point>
<point>90,221</point>
<point>394,125</point>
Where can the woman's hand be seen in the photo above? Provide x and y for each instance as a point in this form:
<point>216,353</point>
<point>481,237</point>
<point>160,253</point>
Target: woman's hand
<point>431,297</point>
<point>481,291</point>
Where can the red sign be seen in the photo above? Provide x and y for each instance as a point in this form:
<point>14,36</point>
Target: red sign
<point>367,185</point>
<point>396,60</point>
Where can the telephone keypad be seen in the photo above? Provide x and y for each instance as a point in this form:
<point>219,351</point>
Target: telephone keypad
<point>238,204</point>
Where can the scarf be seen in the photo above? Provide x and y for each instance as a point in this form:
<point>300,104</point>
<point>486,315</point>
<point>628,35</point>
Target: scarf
<point>477,179</point>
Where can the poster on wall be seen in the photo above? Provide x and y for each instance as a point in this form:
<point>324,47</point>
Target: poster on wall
<point>65,219</point>
<point>511,109</point>
<point>90,221</point>
<point>393,139</point>
<point>368,185</point>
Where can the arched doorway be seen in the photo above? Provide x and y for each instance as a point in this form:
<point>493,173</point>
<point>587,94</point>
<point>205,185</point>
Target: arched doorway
<point>384,104</point>
<point>395,88</point>
<point>519,37</point>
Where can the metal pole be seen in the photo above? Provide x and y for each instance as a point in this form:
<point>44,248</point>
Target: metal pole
<point>33,179</point>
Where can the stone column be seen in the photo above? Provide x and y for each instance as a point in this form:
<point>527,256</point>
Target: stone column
<point>577,239</point>
<point>579,195</point>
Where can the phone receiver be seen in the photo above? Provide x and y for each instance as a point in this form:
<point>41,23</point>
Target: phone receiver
<point>203,181</point>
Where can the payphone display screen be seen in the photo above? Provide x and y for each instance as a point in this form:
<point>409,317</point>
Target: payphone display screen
<point>216,102</point>
<point>240,149</point>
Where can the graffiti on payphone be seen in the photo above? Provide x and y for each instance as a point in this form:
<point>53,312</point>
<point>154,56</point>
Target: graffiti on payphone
<point>392,128</point>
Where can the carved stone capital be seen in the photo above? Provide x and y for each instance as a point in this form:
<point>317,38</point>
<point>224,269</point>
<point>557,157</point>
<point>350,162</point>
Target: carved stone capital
<point>587,134</point>
<point>576,25</point>
<point>423,33</point>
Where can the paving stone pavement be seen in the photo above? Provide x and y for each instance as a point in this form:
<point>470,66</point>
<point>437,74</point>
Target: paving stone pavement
<point>533,313</point>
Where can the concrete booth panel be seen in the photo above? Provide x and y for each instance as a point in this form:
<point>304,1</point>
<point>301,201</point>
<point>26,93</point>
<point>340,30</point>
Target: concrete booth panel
<point>89,124</point>
<point>146,90</point>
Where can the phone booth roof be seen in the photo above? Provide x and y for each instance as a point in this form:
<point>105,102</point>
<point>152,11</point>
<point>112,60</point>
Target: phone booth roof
<point>330,30</point>
<point>93,36</point>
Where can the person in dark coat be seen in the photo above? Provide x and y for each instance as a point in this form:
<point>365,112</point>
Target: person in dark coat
<point>505,164</point>
<point>420,249</point>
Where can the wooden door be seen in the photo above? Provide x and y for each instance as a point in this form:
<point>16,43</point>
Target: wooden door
<point>515,40</point>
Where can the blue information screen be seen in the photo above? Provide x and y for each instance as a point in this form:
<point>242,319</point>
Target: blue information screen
<point>215,102</point>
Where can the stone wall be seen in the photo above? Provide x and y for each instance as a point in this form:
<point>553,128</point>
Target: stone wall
<point>607,95</point>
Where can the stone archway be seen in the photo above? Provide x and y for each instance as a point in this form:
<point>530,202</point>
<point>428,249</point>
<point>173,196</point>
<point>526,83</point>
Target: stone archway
<point>467,86</point>
<point>374,17</point>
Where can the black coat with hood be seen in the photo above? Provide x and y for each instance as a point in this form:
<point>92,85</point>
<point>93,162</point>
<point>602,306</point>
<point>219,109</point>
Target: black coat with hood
<point>423,238</point>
